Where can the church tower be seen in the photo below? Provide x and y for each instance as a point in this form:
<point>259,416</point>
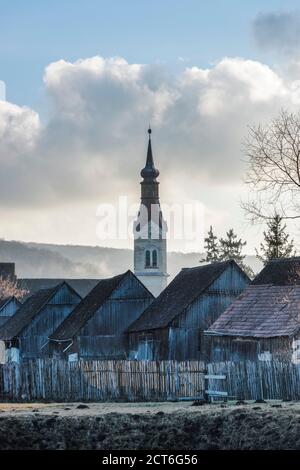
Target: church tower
<point>150,245</point>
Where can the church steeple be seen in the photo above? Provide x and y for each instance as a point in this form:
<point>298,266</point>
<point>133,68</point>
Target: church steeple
<point>150,249</point>
<point>149,172</point>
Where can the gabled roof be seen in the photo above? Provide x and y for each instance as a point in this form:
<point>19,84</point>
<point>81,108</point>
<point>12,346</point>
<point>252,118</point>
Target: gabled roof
<point>188,285</point>
<point>261,311</point>
<point>6,300</point>
<point>28,310</point>
<point>81,286</point>
<point>280,272</point>
<point>88,307</point>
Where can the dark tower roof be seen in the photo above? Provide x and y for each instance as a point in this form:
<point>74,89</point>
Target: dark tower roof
<point>149,171</point>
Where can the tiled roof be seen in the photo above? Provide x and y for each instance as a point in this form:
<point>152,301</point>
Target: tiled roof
<point>280,272</point>
<point>261,311</point>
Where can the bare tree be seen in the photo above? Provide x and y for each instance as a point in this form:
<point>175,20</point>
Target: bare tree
<point>273,155</point>
<point>9,288</point>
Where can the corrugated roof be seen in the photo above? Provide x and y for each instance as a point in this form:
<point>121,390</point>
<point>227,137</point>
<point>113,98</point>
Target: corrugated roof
<point>87,307</point>
<point>261,311</point>
<point>179,294</point>
<point>28,310</point>
<point>280,272</point>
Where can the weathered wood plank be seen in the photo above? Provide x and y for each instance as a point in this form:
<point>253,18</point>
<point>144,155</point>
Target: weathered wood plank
<point>52,379</point>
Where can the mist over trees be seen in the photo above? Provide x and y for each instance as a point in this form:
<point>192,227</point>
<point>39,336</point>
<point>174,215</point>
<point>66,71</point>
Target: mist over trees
<point>40,260</point>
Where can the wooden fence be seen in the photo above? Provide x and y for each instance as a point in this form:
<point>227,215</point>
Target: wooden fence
<point>58,380</point>
<point>268,380</point>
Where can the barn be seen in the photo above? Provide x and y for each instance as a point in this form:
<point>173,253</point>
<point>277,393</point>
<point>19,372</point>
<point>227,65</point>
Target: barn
<point>172,326</point>
<point>95,328</point>
<point>8,307</point>
<point>264,322</point>
<point>25,334</point>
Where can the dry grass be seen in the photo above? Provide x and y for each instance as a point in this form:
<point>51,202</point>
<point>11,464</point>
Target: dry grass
<point>151,426</point>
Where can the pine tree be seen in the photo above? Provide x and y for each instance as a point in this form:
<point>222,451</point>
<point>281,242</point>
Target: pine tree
<point>276,241</point>
<point>211,247</point>
<point>231,248</point>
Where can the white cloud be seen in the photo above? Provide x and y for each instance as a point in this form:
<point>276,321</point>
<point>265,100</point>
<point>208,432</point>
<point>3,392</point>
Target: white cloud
<point>19,128</point>
<point>93,144</point>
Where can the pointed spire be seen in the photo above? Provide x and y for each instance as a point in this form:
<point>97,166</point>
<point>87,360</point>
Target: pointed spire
<point>149,171</point>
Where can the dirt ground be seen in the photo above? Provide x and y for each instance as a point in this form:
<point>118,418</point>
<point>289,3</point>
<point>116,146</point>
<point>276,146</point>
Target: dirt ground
<point>150,426</point>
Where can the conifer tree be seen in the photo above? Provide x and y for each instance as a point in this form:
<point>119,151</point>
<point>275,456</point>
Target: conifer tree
<point>211,247</point>
<point>231,248</point>
<point>276,241</point>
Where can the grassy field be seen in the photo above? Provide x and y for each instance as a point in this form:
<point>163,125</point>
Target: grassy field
<point>150,426</point>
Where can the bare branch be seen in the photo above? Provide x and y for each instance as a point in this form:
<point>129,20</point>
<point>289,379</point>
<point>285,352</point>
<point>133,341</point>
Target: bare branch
<point>273,157</point>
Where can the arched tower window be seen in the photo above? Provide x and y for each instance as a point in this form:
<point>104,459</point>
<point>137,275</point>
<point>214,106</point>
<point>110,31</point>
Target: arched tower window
<point>154,258</point>
<point>147,259</point>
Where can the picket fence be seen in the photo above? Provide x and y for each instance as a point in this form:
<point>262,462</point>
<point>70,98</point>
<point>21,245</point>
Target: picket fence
<point>262,380</point>
<point>58,380</point>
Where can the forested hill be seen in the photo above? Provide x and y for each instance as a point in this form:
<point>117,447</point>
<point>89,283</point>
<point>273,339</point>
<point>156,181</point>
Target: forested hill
<point>72,261</point>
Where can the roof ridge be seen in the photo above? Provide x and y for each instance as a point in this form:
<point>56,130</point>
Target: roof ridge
<point>48,296</point>
<point>182,291</point>
<point>196,294</point>
<point>118,278</point>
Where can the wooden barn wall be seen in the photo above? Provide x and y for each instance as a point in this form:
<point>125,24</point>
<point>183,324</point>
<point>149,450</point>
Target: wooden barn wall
<point>103,335</point>
<point>35,335</point>
<point>3,319</point>
<point>8,310</point>
<point>186,331</point>
<point>148,345</point>
<point>230,348</point>
<point>65,295</point>
<point>232,279</point>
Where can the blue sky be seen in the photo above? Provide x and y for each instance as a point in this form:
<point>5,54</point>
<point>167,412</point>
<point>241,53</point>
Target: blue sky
<point>201,71</point>
<point>34,33</point>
